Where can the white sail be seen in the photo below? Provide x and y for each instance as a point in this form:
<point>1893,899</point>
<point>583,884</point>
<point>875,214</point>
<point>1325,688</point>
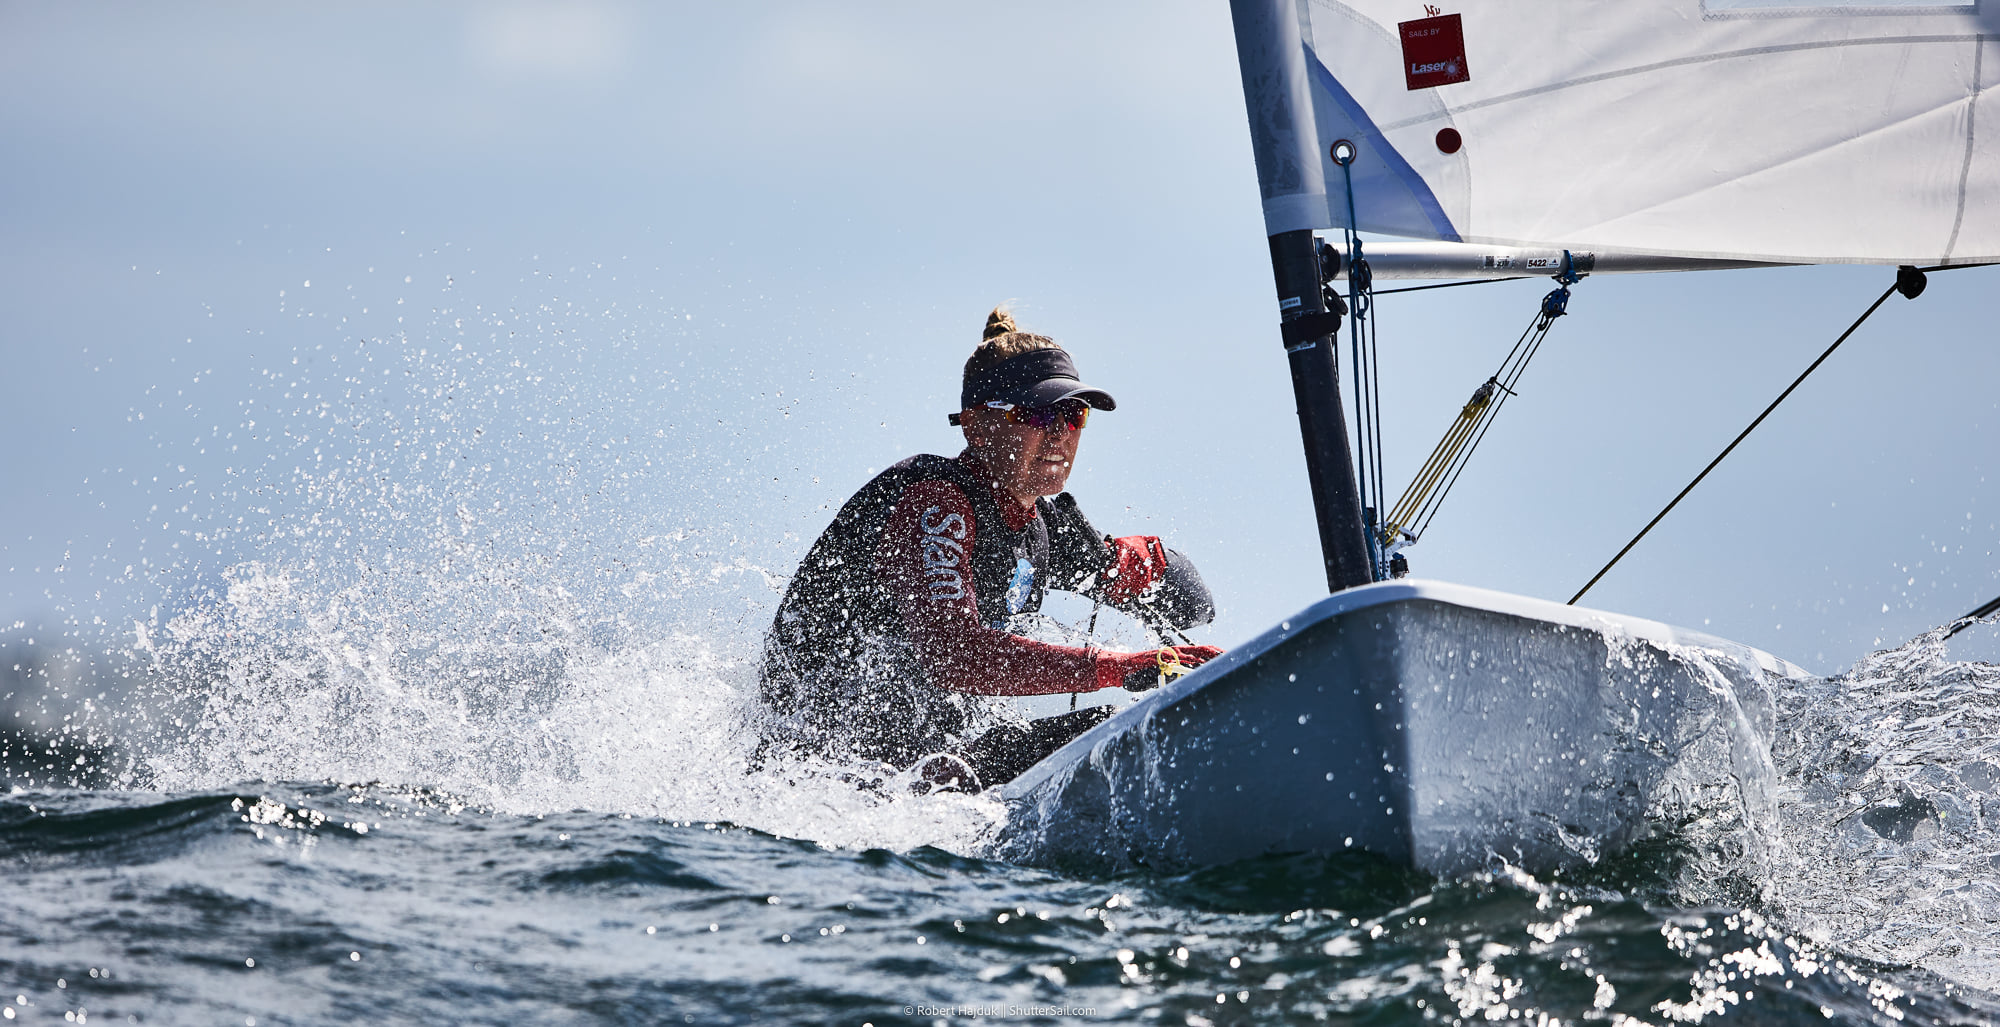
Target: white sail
<point>1754,130</point>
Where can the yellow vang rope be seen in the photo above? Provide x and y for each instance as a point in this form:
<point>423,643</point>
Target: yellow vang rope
<point>1440,461</point>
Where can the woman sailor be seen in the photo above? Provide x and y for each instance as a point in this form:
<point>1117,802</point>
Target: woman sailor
<point>893,638</point>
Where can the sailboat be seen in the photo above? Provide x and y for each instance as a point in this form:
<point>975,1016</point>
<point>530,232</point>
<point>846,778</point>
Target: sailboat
<point>1448,727</point>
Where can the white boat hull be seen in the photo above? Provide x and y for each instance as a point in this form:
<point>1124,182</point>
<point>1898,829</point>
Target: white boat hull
<point>1437,725</point>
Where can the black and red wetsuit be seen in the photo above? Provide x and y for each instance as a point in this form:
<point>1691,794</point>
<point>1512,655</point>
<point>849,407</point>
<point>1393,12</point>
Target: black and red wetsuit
<point>892,637</point>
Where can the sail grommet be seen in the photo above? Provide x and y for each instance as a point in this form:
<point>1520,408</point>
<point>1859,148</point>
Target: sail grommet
<point>1449,141</point>
<point>1343,152</point>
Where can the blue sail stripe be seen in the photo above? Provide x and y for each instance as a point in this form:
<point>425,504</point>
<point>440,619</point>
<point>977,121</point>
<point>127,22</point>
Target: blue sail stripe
<point>1419,190</point>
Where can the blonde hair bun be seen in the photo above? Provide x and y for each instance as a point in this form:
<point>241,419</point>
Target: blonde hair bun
<point>1003,339</point>
<point>998,323</point>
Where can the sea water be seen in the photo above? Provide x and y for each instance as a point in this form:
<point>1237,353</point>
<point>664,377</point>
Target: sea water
<point>399,736</point>
<point>296,814</point>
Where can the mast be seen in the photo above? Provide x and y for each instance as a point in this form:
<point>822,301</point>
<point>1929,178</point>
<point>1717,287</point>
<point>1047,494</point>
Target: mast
<point>1271,54</point>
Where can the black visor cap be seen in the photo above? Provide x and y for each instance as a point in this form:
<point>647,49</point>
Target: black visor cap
<point>1033,379</point>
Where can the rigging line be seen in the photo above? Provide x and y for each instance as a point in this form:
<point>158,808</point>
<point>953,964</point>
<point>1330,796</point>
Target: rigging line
<point>1089,640</point>
<point>1456,465</point>
<point>1541,335</point>
<point>1879,300</point>
<point>1363,417</point>
<point>1363,413</point>
<point>1410,516</point>
<point>1490,281</point>
<point>1533,323</point>
<point>1377,489</point>
<point>1540,329</point>
<point>1357,331</point>
<point>1360,293</point>
<point>1365,364</point>
<point>1375,405</point>
<point>1408,508</point>
<point>1421,523</point>
<point>1975,617</point>
<point>1159,628</point>
<point>1368,393</point>
<point>1416,497</point>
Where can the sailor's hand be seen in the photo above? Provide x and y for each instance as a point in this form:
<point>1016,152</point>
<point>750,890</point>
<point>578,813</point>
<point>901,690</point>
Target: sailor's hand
<point>1195,655</point>
<point>1137,561</point>
<point>1133,672</point>
<point>1137,672</point>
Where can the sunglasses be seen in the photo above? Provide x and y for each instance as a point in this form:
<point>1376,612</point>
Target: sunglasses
<point>1071,414</point>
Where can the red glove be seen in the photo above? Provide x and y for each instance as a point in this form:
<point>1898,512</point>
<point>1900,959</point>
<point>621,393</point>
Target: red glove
<point>1137,672</point>
<point>1136,562</point>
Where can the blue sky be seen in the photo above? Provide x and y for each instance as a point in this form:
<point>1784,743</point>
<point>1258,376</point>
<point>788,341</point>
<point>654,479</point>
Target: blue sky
<point>618,301</point>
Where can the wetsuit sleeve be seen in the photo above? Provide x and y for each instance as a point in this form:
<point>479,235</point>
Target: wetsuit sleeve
<point>925,558</point>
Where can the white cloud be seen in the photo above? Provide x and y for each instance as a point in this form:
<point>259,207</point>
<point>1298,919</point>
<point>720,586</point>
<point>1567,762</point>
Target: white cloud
<point>546,41</point>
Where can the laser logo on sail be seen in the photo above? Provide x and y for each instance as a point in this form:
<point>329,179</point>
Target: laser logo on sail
<point>1433,52</point>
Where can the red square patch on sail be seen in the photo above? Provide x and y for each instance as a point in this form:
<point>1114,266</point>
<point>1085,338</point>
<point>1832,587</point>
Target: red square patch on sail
<point>1433,52</point>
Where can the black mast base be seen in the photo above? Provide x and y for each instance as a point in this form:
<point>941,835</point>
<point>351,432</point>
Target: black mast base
<point>1309,331</point>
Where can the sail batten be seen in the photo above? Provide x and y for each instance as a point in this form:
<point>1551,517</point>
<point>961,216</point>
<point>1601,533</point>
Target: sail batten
<point>1826,135</point>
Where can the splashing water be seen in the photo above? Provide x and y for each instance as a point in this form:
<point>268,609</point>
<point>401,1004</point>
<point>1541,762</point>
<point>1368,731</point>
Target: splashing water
<point>513,553</point>
<point>1892,817</point>
<point>276,683</point>
<point>520,640</point>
